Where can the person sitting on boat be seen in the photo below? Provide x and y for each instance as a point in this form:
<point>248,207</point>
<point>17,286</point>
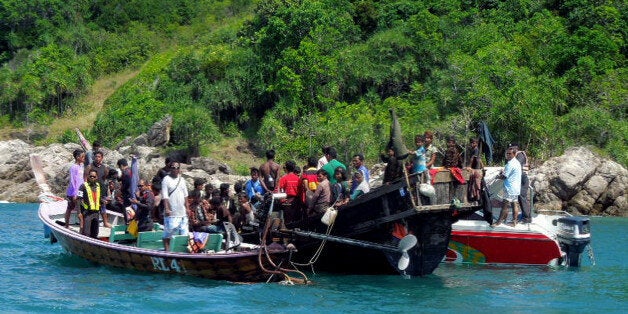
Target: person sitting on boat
<point>203,218</point>
<point>174,193</point>
<point>145,202</point>
<point>512,184</point>
<point>246,212</point>
<point>76,180</point>
<point>358,164</point>
<point>322,196</point>
<point>90,196</point>
<point>340,189</point>
<point>363,186</point>
<point>253,187</point>
<point>222,213</point>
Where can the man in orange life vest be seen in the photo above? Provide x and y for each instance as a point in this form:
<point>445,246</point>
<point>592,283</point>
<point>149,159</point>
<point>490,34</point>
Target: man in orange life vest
<point>91,197</point>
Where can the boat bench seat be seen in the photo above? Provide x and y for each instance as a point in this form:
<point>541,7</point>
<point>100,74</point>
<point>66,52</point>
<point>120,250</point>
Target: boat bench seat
<point>150,239</point>
<point>119,233</point>
<point>180,243</point>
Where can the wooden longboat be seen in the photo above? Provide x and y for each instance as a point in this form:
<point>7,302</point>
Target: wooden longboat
<point>366,230</point>
<point>241,264</point>
<point>393,228</point>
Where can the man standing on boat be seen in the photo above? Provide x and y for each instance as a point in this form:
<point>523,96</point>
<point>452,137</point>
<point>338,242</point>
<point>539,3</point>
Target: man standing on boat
<point>524,199</point>
<point>332,164</point>
<point>269,171</point>
<point>512,184</point>
<point>174,194</point>
<point>91,200</point>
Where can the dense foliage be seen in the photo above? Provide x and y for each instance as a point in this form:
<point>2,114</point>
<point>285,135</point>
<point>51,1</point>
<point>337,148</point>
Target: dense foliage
<point>296,75</point>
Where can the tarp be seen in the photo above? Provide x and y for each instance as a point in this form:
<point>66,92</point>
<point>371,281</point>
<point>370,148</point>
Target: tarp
<point>135,178</point>
<point>396,140</point>
<point>487,140</point>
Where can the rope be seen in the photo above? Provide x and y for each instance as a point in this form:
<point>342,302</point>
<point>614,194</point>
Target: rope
<point>278,269</point>
<point>319,251</point>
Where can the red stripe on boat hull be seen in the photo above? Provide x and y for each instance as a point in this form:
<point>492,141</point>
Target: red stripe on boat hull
<point>497,247</point>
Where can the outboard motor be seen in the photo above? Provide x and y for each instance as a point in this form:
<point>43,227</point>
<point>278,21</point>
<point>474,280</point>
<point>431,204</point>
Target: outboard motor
<point>574,234</point>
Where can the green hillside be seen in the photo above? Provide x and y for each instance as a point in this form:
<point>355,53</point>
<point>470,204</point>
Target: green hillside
<point>297,75</point>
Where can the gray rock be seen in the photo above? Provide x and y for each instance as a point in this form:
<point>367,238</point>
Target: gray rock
<point>582,182</point>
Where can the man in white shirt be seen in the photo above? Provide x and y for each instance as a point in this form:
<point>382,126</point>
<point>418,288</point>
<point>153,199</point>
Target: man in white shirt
<point>174,194</point>
<point>512,185</point>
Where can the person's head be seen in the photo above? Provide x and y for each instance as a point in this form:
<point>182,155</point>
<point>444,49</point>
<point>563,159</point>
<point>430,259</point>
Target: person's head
<point>321,175</point>
<point>514,145</point>
<point>122,163</point>
<point>324,150</point>
<point>195,196</point>
<point>391,152</point>
<point>312,162</point>
<point>112,174</point>
<point>429,137</point>
<point>112,185</point>
<point>357,161</point>
<point>510,153</point>
<point>209,188</point>
<point>224,189</point>
<point>331,154</point>
<point>199,184</point>
<point>270,154</point>
<point>358,176</point>
<point>98,157</point>
<point>156,184</point>
<point>290,166</point>
<point>238,186</point>
<point>96,145</point>
<point>419,140</point>
<point>92,177</point>
<point>473,142</point>
<point>215,203</point>
<point>143,185</point>
<point>79,155</point>
<point>340,174</point>
<point>175,169</point>
<point>242,197</point>
<point>451,141</point>
<point>254,174</point>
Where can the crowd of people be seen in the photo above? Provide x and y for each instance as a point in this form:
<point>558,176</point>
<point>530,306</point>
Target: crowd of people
<point>311,189</point>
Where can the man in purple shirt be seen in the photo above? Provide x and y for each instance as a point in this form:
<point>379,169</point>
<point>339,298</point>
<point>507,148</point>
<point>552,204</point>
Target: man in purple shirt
<point>76,180</point>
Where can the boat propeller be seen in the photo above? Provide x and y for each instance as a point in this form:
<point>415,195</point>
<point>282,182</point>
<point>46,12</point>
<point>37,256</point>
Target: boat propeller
<point>405,244</point>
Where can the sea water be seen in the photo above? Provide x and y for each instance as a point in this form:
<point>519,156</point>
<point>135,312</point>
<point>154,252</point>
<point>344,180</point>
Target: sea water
<point>36,276</point>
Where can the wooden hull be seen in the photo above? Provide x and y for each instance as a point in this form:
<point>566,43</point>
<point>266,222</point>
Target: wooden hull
<point>237,266</point>
<point>383,216</point>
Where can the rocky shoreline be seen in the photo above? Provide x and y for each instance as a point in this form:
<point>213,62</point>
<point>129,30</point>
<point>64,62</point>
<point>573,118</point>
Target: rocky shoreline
<point>579,181</point>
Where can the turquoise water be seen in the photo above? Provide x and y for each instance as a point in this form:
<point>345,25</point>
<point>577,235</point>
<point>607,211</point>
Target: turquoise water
<point>38,277</point>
